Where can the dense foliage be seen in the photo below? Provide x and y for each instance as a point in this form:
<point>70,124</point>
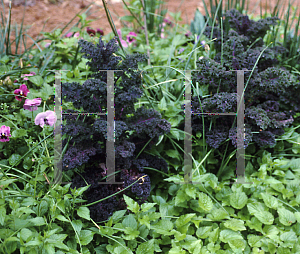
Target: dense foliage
<point>133,128</point>
<point>209,216</point>
<point>271,97</point>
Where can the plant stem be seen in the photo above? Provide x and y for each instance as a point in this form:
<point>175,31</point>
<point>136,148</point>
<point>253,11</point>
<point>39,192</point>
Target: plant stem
<point>146,34</point>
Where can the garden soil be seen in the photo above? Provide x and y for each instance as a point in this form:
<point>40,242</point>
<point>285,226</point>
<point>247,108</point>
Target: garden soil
<point>47,15</point>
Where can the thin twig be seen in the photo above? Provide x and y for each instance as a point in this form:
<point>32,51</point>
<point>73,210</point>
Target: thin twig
<point>46,178</point>
<point>146,34</point>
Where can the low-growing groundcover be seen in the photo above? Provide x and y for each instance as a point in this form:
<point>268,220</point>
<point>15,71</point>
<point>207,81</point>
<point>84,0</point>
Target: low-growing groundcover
<point>213,217</point>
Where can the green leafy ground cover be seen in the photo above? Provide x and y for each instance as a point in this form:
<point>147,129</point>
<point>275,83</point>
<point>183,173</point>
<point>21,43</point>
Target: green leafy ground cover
<point>212,217</point>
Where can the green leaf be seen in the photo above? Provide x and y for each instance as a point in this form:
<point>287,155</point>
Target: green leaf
<point>80,191</point>
<point>131,234</point>
<point>270,201</point>
<point>174,179</point>
<point>254,240</point>
<point>18,133</point>
<point>118,215</point>
<point>286,217</point>
<point>50,248</point>
<point>203,232</point>
<point>38,221</point>
<point>35,242</point>
<point>28,201</point>
<point>205,202</point>
<point>130,221</point>
<point>172,153</point>
<point>218,215</point>
<point>177,250</point>
<point>25,234</point>
<point>175,133</point>
<point>190,190</point>
<point>179,236</point>
<point>289,238</point>
<point>5,183</point>
<point>213,236</point>
<point>271,231</point>
<point>237,245</point>
<point>27,163</point>
<point>14,158</point>
<point>260,213</point>
<point>181,197</point>
<point>127,18</point>
<point>294,164</point>
<point>132,205</point>
<point>238,200</point>
<point>288,134</point>
<point>77,224</point>
<point>163,104</point>
<point>146,206</point>
<point>37,80</point>
<point>4,59</point>
<point>146,247</point>
<point>144,220</point>
<point>61,45</point>
<point>86,236</point>
<point>43,207</point>
<point>163,227</point>
<point>184,219</point>
<point>84,212</point>
<point>50,78</point>
<point>61,218</point>
<point>46,91</point>
<point>235,225</point>
<point>227,235</point>
<point>297,216</point>
<point>2,213</point>
<point>19,224</point>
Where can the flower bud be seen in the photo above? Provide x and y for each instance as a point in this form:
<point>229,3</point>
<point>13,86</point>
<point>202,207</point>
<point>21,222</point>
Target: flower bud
<point>8,82</point>
<point>21,63</point>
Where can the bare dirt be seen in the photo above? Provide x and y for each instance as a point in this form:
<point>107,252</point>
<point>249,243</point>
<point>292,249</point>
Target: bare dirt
<point>47,15</point>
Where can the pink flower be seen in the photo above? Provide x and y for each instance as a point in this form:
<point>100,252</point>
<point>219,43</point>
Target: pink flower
<point>130,37</point>
<point>48,118</point>
<point>124,43</point>
<point>76,35</point>
<point>169,22</point>
<point>21,92</point>
<point>4,133</point>
<point>69,34</point>
<point>32,73</point>
<point>32,104</point>
<point>47,44</point>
